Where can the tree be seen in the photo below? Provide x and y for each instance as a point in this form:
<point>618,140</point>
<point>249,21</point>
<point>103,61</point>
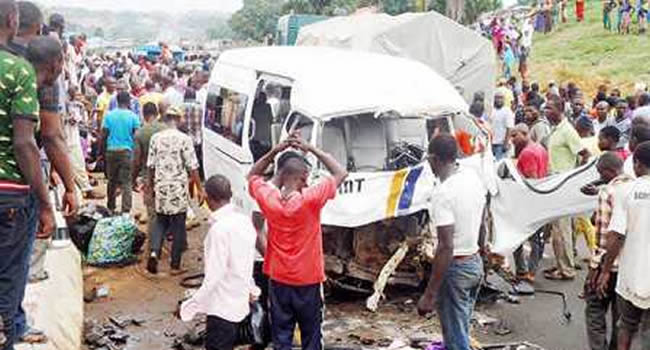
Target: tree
<point>299,7</point>
<point>220,30</point>
<point>396,7</point>
<point>256,19</point>
<point>474,8</point>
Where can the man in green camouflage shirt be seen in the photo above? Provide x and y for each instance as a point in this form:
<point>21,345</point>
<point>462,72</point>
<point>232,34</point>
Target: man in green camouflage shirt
<point>24,202</point>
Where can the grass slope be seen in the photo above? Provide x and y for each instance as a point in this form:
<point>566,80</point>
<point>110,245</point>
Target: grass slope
<point>589,55</point>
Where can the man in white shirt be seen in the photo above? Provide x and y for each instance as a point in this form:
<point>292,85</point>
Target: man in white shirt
<point>639,134</point>
<point>171,95</point>
<point>229,253</point>
<point>502,120</point>
<point>457,269</point>
<point>603,119</point>
<point>628,236</point>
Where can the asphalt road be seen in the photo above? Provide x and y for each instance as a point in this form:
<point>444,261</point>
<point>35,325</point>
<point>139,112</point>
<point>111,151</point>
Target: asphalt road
<point>538,319</point>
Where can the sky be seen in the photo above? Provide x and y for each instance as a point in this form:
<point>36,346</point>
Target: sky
<point>150,5</point>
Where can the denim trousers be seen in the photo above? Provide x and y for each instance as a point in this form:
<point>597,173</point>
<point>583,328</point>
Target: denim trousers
<point>456,300</point>
<point>499,151</point>
<point>18,221</point>
<point>164,224</point>
<point>530,265</point>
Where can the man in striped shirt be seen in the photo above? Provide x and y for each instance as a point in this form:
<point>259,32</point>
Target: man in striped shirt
<point>610,167</point>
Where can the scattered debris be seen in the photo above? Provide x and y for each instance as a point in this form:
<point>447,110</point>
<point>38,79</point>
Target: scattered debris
<point>483,319</point>
<point>502,328</point>
<point>97,292</point>
<point>512,346</point>
<point>119,321</point>
<point>110,335</point>
<point>380,284</point>
<point>102,291</point>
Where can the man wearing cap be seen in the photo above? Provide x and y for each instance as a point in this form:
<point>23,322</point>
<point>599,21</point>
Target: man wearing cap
<point>118,136</point>
<point>173,176</point>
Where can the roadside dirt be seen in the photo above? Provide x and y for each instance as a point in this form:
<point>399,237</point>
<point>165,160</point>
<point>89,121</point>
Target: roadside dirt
<point>152,300</point>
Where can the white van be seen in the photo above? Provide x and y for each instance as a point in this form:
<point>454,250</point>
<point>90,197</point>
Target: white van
<point>373,112</point>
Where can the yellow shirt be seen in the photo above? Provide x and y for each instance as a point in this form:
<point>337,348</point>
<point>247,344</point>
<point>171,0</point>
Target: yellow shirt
<point>153,97</point>
<point>508,96</point>
<point>591,144</point>
<point>103,101</point>
<point>564,144</point>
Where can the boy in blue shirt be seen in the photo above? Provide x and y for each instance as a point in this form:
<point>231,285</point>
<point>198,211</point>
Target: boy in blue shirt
<point>118,134</point>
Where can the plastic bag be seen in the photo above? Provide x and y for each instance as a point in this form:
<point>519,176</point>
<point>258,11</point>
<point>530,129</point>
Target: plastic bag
<point>252,330</point>
<point>112,242</point>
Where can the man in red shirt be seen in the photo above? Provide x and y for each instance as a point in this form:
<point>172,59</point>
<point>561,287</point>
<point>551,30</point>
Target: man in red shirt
<point>294,254</point>
<point>532,158</point>
<point>532,163</point>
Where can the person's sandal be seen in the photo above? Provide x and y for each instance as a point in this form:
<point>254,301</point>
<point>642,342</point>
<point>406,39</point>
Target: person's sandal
<point>39,277</point>
<point>558,276</point>
<point>33,336</point>
<point>177,272</point>
<point>550,270</point>
<point>94,194</point>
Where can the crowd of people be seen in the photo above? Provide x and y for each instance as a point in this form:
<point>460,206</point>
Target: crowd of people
<point>561,130</point>
<point>512,33</point>
<point>625,12</point>
<point>512,38</point>
<point>65,112</point>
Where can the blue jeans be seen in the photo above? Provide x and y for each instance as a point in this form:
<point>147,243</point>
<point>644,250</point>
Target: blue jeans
<point>18,219</point>
<point>20,321</point>
<point>530,265</point>
<point>456,300</point>
<point>499,151</point>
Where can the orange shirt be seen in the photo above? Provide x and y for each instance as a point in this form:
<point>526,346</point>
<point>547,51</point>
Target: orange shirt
<point>294,254</point>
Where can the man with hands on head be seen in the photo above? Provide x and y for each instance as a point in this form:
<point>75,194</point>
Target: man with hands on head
<point>294,253</point>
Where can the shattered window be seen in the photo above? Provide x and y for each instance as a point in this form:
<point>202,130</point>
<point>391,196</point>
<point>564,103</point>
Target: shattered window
<point>225,112</point>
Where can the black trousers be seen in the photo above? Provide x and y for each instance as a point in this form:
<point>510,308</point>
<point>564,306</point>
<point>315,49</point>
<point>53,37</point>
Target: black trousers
<point>296,304</point>
<point>118,173</point>
<point>220,334</point>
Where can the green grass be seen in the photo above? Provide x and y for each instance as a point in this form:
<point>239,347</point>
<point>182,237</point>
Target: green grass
<point>589,55</point>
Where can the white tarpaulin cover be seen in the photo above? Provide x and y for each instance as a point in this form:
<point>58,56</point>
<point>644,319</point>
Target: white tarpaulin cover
<point>56,304</point>
<point>457,53</point>
<point>518,211</point>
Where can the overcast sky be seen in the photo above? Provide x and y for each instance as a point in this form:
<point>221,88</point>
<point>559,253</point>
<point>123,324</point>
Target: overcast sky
<point>150,5</point>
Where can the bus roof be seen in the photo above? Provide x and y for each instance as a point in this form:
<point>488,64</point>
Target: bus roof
<point>330,82</point>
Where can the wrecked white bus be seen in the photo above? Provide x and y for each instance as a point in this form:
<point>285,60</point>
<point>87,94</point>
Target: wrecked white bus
<point>375,113</point>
